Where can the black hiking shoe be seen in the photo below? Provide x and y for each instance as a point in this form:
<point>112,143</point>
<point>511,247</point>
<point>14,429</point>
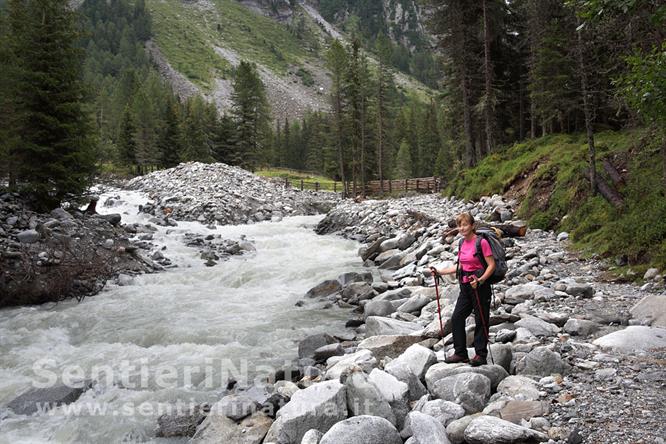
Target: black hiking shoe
<point>455,359</point>
<point>477,361</point>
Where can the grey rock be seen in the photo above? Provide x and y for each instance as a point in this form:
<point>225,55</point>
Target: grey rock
<point>505,335</point>
<point>389,244</point>
<point>519,388</point>
<point>319,406</point>
<point>404,374</point>
<point>388,345</point>
<point>456,429</point>
<point>634,338</point>
<point>584,290</point>
<point>388,385</point>
<point>470,390</point>
<point>307,347</point>
<point>235,407</point>
<point>362,430</point>
<point>357,291</point>
<point>113,219</point>
<point>542,362</point>
<point>312,436</point>
<point>651,310</point>
<point>502,355</point>
<point>185,424</point>
<point>378,308</point>
<point>326,351</point>
<point>29,402</point>
<point>520,293</point>
<point>363,398</point>
<point>580,327</point>
<point>347,278</point>
<point>492,430</point>
<point>394,295</point>
<point>28,236</point>
<point>516,411</point>
<point>405,241</point>
<point>538,327</point>
<point>417,358</point>
<point>324,289</point>
<point>219,429</point>
<point>443,411</point>
<point>424,429</point>
<point>414,304</point>
<point>338,365</point>
<point>494,373</point>
<point>376,325</point>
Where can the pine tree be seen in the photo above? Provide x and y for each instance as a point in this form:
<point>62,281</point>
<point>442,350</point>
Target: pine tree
<point>403,163</point>
<point>126,141</point>
<point>55,155</point>
<point>251,112</point>
<point>170,142</point>
<point>337,62</point>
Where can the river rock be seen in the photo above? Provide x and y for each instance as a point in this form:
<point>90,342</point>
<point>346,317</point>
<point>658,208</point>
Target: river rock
<point>443,411</point>
<point>388,385</point>
<point>492,430</point>
<point>470,390</point>
<point>583,290</point>
<point>357,291</point>
<point>235,407</point>
<point>538,327</point>
<point>319,406</point>
<point>542,362</point>
<point>350,277</point>
<point>28,236</point>
<point>367,251</point>
<point>456,429</point>
<point>515,411</point>
<point>324,289</point>
<point>417,358</point>
<point>520,293</point>
<point>424,429</point>
<point>378,308</point>
<point>502,355</point>
<point>388,345</point>
<point>494,373</point>
<point>403,373</point>
<point>394,295</point>
<point>634,338</point>
<point>326,351</point>
<point>519,388</point>
<point>185,424</point>
<point>651,310</point>
<point>376,325</point>
<point>414,304</point>
<point>307,347</point>
<point>580,327</point>
<point>363,398</point>
<point>312,436</point>
<point>219,429</point>
<point>362,430</point>
<point>338,365</point>
<point>30,401</point>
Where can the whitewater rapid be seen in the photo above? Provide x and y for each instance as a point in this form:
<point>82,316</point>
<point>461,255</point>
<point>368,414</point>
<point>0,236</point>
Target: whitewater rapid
<point>198,325</point>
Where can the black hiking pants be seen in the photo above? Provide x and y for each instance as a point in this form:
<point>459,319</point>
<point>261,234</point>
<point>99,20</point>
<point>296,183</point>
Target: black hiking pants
<point>467,302</point>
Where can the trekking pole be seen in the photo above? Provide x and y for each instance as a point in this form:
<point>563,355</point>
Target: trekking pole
<point>439,308</point>
<point>484,325</point>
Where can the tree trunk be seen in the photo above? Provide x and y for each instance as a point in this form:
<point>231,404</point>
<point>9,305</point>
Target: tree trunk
<point>586,110</point>
<point>487,109</point>
<point>470,150</point>
<point>612,173</point>
<point>380,128</point>
<point>338,112</point>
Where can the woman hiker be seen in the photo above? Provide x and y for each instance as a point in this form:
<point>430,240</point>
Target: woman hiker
<point>474,290</point>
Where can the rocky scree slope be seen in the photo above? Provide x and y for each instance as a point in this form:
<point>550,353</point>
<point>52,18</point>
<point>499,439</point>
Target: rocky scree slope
<point>221,194</point>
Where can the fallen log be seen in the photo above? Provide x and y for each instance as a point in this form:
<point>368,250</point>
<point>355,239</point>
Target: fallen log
<point>613,173</point>
<point>608,192</point>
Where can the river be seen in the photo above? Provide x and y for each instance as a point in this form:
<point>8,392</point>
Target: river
<point>173,337</point>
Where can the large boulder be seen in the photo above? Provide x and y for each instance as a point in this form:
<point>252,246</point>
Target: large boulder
<point>414,304</point>
<point>417,358</point>
<point>377,325</point>
<point>456,429</point>
<point>580,327</point>
<point>220,429</point>
<point>492,430</point>
<point>319,406</point>
<point>424,429</point>
<point>181,424</point>
<point>338,365</point>
<point>362,430</point>
<point>542,362</point>
<point>363,398</point>
<point>388,345</point>
<point>516,411</point>
<point>235,407</point>
<point>394,295</point>
<point>494,373</point>
<point>403,373</point>
<point>358,291</point>
<point>521,293</point>
<point>307,347</point>
<point>634,338</point>
<point>470,390</point>
<point>651,310</point>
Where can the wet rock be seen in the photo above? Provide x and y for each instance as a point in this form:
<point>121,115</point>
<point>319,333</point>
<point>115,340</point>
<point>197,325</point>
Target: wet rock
<point>175,425</point>
<point>378,308</point>
<point>219,429</point>
<point>308,346</point>
<point>326,351</point>
<point>46,398</point>
<point>325,288</point>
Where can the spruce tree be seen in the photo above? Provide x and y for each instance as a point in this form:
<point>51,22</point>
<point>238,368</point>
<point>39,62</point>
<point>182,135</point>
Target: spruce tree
<point>55,152</point>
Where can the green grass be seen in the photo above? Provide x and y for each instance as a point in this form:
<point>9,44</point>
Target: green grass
<point>310,181</point>
<point>559,197</point>
<point>187,35</point>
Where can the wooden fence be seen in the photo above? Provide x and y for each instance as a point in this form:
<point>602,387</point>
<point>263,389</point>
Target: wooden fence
<point>373,187</point>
